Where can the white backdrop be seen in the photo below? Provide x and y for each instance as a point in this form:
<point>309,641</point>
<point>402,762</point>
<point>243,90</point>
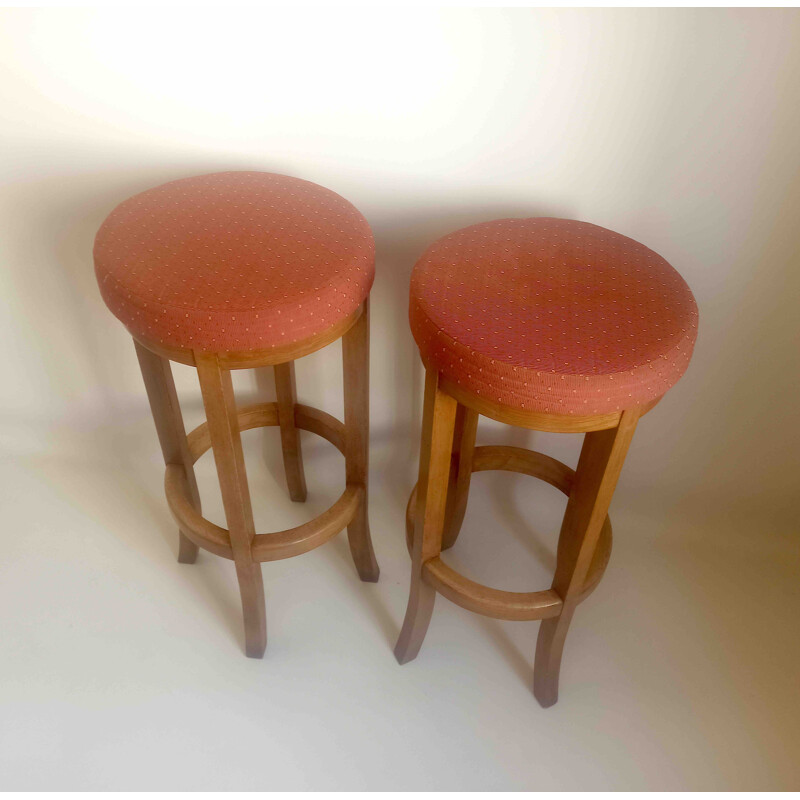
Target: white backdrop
<point>679,128</point>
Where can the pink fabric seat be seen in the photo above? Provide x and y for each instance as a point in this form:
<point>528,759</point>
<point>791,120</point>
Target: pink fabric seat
<point>234,261</point>
<point>552,315</point>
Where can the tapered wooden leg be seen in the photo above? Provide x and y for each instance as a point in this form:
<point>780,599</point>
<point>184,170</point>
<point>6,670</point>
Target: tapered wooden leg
<point>599,466</point>
<point>355,355</point>
<point>166,410</point>
<point>187,549</point>
<point>290,437</point>
<point>226,442</point>
<point>460,473</point>
<point>434,472</point>
<point>251,590</point>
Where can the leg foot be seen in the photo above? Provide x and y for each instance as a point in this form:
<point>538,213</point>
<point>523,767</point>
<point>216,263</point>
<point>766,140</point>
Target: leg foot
<point>251,589</point>
<point>360,541</point>
<point>415,625</point>
<point>547,665</point>
<point>187,549</point>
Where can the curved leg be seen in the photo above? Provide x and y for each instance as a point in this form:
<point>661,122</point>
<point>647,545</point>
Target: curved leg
<point>599,466</point>
<point>187,549</point>
<point>251,590</point>
<point>460,473</point>
<point>226,442</point>
<point>434,471</point>
<point>355,358</point>
<point>167,416</point>
<point>286,391</point>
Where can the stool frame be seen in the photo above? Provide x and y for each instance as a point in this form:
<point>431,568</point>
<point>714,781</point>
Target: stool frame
<point>222,433</point>
<point>436,508</point>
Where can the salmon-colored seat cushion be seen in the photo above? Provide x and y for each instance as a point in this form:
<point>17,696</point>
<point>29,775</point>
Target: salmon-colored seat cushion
<point>552,315</point>
<point>234,261</point>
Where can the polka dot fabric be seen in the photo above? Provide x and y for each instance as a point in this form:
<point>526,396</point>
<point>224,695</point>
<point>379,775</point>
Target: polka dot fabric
<point>552,315</point>
<point>234,261</point>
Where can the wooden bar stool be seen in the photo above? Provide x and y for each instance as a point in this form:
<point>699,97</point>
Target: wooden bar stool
<point>547,324</point>
<point>242,270</point>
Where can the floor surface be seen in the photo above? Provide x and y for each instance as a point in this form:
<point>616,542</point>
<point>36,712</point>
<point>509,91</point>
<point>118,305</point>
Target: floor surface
<point>122,669</point>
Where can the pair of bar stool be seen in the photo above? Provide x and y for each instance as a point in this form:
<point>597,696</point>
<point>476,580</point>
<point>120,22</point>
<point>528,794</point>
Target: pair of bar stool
<point>547,324</point>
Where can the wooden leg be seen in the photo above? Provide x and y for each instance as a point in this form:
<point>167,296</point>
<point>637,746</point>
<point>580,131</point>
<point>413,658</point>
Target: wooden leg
<point>166,410</point>
<point>434,471</point>
<point>290,437</point>
<point>226,442</point>
<point>599,466</point>
<point>460,473</point>
<point>355,355</point>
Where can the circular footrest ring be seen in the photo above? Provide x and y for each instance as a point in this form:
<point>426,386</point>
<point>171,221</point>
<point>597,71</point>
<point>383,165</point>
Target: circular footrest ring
<point>266,546</point>
<point>495,602</point>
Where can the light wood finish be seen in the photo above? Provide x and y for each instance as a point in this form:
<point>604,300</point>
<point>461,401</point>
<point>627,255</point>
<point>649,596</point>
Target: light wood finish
<point>550,423</point>
<point>437,504</point>
<point>222,433</point>
<point>460,473</point>
<point>266,546</point>
<point>489,602</point>
<point>438,422</point>
<point>500,604</point>
<point>260,415</point>
<point>200,531</point>
<point>321,423</point>
<point>257,358</point>
<point>286,391</point>
<point>599,466</point>
<point>355,360</point>
<point>311,534</point>
<point>527,462</point>
<point>533,420</point>
<point>226,442</point>
<point>166,410</point>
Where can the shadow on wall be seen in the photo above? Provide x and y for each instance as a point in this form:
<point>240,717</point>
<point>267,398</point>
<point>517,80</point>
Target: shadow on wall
<point>401,237</point>
<point>84,359</point>
<point>62,216</point>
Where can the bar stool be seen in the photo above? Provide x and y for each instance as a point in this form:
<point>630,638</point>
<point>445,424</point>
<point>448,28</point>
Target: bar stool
<point>241,270</point>
<point>547,324</point>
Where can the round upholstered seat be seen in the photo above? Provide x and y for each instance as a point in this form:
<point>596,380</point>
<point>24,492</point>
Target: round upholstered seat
<point>552,315</point>
<point>234,261</point>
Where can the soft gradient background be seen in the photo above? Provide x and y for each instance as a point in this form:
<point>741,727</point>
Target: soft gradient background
<point>679,128</point>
